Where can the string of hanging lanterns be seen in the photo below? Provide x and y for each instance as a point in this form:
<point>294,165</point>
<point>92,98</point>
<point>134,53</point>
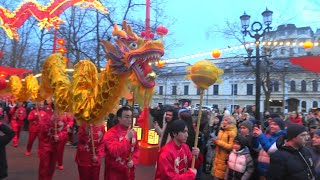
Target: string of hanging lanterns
<point>216,53</point>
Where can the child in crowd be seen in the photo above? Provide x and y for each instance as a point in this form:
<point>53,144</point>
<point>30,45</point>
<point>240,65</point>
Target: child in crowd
<point>240,163</point>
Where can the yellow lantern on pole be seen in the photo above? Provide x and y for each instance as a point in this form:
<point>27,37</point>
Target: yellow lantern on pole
<point>138,129</point>
<point>153,137</point>
<point>203,74</point>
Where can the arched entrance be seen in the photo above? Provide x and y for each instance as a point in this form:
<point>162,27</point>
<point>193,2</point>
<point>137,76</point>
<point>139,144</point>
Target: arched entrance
<point>293,104</point>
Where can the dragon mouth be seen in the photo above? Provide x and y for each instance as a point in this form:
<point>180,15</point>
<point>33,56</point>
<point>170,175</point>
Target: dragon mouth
<point>142,69</point>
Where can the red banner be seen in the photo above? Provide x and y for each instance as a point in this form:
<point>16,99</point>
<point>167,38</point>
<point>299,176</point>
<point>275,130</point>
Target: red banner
<point>310,63</point>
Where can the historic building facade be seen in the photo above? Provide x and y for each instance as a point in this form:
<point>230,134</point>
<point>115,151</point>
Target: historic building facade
<point>292,88</point>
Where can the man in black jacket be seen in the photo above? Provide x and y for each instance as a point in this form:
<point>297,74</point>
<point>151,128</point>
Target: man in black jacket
<point>4,140</point>
<point>292,160</point>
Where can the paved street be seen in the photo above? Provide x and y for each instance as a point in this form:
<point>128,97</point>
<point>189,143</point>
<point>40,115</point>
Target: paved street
<point>23,167</point>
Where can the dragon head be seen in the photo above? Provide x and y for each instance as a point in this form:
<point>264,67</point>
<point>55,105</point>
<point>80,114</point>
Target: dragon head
<point>131,53</point>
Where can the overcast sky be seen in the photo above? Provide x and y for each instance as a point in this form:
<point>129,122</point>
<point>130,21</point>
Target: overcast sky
<point>195,18</point>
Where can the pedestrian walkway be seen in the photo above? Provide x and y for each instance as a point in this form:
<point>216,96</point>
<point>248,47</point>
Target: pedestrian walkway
<point>23,167</point>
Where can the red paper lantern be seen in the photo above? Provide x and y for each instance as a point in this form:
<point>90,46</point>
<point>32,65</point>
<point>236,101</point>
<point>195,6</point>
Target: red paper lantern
<point>1,54</point>
<point>143,34</point>
<point>307,44</point>
<point>162,31</point>
<point>61,41</point>
<point>151,35</point>
<point>3,83</point>
<point>216,53</point>
<point>62,50</point>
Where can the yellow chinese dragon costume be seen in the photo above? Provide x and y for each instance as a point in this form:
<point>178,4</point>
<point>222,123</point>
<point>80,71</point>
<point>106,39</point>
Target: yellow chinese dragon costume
<point>91,95</point>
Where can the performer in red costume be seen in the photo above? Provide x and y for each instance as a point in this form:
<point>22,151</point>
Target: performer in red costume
<point>17,122</point>
<point>48,109</point>
<point>175,157</point>
<point>120,141</point>
<point>90,151</point>
<point>51,131</point>
<point>63,120</point>
<point>34,117</point>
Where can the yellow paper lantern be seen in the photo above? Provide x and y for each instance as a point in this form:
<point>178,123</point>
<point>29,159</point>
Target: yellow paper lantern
<point>204,73</point>
<point>138,129</point>
<point>307,44</point>
<point>153,137</point>
<point>216,53</point>
<point>160,64</point>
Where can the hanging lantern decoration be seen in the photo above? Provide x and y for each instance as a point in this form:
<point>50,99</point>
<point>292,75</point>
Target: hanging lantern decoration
<point>65,59</point>
<point>151,35</point>
<point>138,129</point>
<point>62,50</point>
<point>162,31</point>
<point>3,83</point>
<point>204,73</point>
<point>61,41</point>
<point>307,44</point>
<point>1,54</point>
<point>153,137</point>
<point>143,34</point>
<point>216,53</point>
<point>160,64</point>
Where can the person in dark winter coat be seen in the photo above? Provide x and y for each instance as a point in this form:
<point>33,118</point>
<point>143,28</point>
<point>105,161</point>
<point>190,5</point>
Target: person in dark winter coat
<point>4,140</point>
<point>292,160</point>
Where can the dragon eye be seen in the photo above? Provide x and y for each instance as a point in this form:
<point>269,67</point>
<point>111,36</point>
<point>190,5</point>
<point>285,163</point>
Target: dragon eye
<point>133,45</point>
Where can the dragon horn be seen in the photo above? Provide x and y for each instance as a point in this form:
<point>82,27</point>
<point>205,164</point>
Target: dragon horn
<point>128,30</point>
<point>118,32</point>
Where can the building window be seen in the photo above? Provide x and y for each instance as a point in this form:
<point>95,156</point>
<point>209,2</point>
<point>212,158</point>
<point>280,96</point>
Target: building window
<point>314,85</point>
<point>304,106</point>
<point>276,85</point>
<point>234,89</point>
<point>249,89</point>
<point>215,89</point>
<point>301,31</point>
<point>292,86</point>
<point>303,86</point>
<point>291,52</point>
<point>198,91</point>
<point>271,85</point>
<point>315,104</point>
<point>281,33</point>
<point>282,51</point>
<point>186,90</point>
<point>301,50</point>
<point>174,90</point>
<point>160,90</point>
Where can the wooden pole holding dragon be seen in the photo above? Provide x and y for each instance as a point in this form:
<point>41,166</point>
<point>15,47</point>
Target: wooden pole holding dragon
<point>203,74</point>
<point>131,127</point>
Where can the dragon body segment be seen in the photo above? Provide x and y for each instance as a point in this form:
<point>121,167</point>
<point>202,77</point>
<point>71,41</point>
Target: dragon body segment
<point>48,15</point>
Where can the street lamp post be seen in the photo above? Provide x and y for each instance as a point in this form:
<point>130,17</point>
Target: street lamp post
<point>284,89</point>
<point>256,27</point>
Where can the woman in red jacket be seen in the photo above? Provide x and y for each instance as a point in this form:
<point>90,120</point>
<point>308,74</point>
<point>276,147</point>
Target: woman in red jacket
<point>294,118</point>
